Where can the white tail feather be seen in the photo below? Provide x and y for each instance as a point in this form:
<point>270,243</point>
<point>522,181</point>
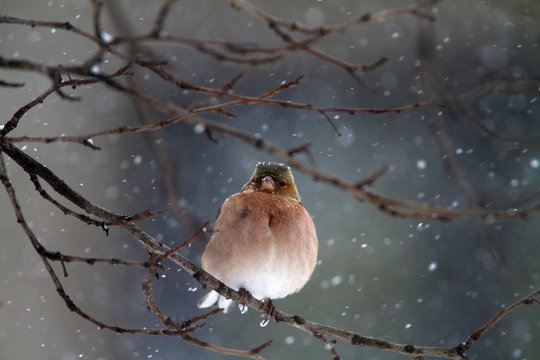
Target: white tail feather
<point>212,298</point>
<point>208,300</point>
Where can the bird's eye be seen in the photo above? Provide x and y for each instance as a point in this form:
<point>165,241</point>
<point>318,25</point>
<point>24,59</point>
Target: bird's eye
<point>282,183</point>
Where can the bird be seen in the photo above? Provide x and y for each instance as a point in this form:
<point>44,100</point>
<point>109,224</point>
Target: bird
<point>264,241</point>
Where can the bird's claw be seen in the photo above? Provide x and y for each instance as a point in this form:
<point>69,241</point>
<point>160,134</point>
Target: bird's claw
<point>244,297</point>
<point>270,310</point>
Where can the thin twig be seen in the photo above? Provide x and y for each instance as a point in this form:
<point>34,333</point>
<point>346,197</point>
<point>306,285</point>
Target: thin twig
<point>391,206</point>
<point>305,148</point>
<point>159,22</point>
<point>186,243</point>
<point>324,30</point>
<point>167,163</point>
<point>67,211</point>
<point>373,177</point>
<point>193,323</point>
<point>278,26</point>
<point>58,256</point>
<point>530,299</point>
<point>59,288</point>
<point>13,122</point>
<point>155,247</point>
<point>5,83</point>
<point>246,55</point>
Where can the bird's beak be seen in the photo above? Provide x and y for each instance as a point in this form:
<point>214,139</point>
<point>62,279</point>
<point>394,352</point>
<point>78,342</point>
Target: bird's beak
<point>268,184</point>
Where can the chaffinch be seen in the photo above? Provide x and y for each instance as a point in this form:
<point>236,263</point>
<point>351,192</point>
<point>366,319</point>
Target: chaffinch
<point>264,241</point>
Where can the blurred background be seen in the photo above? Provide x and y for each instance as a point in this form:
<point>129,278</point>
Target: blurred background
<point>407,281</point>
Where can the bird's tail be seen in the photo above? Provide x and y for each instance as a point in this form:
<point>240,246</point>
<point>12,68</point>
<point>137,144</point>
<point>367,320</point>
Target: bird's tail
<point>213,298</point>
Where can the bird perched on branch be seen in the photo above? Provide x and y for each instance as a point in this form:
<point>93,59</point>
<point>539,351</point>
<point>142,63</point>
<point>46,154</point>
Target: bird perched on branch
<point>264,241</point>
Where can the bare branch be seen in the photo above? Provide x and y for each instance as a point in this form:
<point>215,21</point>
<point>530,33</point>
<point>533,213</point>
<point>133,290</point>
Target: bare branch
<point>323,113</point>
<point>226,101</point>
<point>305,148</point>
<point>59,288</point>
<point>10,84</point>
<point>530,299</point>
<point>97,6</point>
<point>203,277</point>
<point>186,243</point>
<point>393,207</point>
<point>192,324</point>
<point>159,22</point>
<point>278,25</point>
<point>64,209</point>
<point>324,30</point>
<point>13,122</point>
<point>65,25</point>
<point>373,177</point>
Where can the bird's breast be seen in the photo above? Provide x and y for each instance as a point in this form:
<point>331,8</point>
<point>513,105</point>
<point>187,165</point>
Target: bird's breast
<point>264,243</point>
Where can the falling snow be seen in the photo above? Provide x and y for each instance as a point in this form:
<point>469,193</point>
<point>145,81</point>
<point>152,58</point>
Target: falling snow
<point>421,164</point>
<point>368,261</point>
<point>199,128</point>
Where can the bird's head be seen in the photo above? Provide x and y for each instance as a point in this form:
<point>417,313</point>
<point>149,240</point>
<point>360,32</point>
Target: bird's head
<point>273,178</point>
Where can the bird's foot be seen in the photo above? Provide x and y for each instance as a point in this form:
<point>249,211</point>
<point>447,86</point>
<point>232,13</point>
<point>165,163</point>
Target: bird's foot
<point>244,297</point>
<point>270,309</point>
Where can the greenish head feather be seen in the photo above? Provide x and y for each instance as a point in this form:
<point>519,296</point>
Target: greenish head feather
<point>280,173</point>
